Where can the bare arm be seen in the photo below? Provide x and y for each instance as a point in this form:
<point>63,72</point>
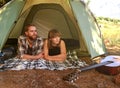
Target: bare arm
<point>60,57</point>
<point>31,57</point>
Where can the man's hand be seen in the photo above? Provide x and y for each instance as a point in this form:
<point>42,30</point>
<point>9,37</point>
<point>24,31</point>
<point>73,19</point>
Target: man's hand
<point>31,57</point>
<point>40,55</point>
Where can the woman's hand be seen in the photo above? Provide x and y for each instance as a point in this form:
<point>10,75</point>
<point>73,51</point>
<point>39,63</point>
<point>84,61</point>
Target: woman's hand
<point>40,55</point>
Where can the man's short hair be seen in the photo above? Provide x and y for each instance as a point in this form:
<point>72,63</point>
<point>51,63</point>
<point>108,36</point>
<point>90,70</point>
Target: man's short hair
<point>27,26</point>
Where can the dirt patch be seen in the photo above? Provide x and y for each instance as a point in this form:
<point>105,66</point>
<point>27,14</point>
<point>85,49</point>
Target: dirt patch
<point>54,79</point>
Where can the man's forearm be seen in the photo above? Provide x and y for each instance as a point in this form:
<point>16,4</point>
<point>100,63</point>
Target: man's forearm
<point>29,57</point>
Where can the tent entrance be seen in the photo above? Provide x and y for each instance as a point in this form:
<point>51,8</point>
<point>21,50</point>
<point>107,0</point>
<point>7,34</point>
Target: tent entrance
<point>71,17</point>
<point>50,16</point>
<point>53,16</point>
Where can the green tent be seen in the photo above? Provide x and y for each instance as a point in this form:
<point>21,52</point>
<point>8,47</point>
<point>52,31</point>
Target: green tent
<point>71,17</point>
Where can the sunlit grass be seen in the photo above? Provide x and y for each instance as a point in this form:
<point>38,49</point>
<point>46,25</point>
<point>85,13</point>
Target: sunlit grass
<point>111,33</point>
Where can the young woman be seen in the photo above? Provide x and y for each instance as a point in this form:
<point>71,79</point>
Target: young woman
<point>54,47</point>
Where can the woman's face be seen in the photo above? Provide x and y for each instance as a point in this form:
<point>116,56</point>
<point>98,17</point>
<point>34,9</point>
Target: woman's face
<point>55,40</point>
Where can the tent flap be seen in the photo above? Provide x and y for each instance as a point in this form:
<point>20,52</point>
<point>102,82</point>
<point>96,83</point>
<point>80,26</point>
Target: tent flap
<point>88,28</point>
<point>8,15</point>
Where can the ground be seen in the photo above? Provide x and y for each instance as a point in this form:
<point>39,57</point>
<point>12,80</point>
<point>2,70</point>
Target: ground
<point>54,79</point>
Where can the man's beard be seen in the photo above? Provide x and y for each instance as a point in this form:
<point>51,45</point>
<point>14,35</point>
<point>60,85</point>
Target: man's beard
<point>32,38</point>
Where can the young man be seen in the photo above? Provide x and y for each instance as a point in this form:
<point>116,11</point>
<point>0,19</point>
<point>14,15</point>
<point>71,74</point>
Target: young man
<point>30,45</point>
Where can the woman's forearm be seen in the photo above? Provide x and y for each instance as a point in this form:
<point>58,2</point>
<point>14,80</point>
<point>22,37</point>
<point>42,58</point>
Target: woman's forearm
<point>56,58</point>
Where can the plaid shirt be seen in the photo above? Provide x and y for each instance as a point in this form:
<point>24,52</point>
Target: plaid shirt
<point>23,46</point>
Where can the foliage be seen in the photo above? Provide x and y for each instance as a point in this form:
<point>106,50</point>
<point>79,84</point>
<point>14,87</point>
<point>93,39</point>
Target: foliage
<point>103,19</point>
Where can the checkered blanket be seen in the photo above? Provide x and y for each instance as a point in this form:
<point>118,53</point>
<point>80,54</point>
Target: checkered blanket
<point>20,64</point>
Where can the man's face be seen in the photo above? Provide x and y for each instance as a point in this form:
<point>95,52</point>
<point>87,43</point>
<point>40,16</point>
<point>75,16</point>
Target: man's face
<point>32,33</point>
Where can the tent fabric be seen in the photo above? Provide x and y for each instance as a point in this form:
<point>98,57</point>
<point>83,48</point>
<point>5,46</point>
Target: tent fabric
<point>91,31</point>
<point>8,16</point>
<point>48,16</point>
<point>71,17</point>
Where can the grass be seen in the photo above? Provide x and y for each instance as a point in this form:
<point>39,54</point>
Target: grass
<point>111,33</point>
